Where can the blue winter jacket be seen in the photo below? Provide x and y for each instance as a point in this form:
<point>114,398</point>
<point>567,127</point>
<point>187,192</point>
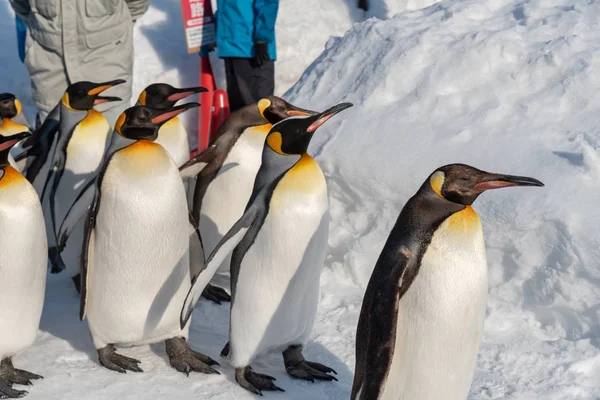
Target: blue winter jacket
<point>241,23</point>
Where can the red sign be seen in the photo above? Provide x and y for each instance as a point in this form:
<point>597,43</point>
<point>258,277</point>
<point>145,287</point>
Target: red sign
<point>198,23</point>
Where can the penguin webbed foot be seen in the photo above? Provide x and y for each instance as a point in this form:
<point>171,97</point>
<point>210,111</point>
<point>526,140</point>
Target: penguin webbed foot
<point>11,375</point>
<point>7,392</point>
<point>255,382</point>
<point>56,261</point>
<point>112,360</point>
<point>297,367</point>
<point>215,294</point>
<point>186,360</point>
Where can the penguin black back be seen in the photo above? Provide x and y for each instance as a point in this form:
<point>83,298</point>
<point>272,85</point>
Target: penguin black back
<point>447,191</point>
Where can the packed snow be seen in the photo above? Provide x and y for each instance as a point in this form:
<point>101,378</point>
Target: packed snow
<point>506,86</point>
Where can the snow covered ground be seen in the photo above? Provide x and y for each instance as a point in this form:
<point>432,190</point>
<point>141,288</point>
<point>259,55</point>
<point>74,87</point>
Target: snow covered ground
<point>506,86</point>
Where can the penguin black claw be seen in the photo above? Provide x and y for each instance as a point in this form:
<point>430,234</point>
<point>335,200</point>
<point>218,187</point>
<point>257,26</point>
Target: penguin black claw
<point>112,360</point>
<point>215,294</point>
<point>255,382</point>
<point>297,367</point>
<point>186,360</point>
<point>7,392</point>
<point>10,375</point>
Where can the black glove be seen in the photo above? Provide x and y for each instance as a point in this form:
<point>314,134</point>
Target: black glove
<point>261,53</point>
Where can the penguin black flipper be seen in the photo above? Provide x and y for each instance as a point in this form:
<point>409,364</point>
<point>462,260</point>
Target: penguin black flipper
<point>55,174</point>
<point>394,272</point>
<point>40,144</point>
<point>235,235</point>
<point>193,167</point>
<point>189,174</point>
<point>87,259</point>
<point>80,206</point>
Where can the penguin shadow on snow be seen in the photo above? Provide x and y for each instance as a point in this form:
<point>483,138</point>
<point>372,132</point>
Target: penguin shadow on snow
<point>209,332</point>
<point>60,317</point>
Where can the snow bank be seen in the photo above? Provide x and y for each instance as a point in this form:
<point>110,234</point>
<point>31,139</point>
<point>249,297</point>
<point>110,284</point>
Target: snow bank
<point>506,86</point>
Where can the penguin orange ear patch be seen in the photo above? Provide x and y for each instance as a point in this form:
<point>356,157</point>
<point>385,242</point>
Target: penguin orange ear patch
<point>142,98</point>
<point>120,123</point>
<point>274,141</point>
<point>66,102</point>
<point>437,181</point>
<point>18,106</point>
<point>263,104</point>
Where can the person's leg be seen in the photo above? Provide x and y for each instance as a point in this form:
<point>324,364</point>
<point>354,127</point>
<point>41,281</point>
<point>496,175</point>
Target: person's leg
<point>233,90</point>
<point>263,80</point>
<point>248,83</point>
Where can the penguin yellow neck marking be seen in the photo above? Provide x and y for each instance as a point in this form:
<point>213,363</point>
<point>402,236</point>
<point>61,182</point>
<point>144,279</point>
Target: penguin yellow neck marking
<point>141,146</point>
<point>264,129</point>
<point>304,176</point>
<point>142,157</point>
<point>94,127</point>
<point>303,184</point>
<point>463,221</point>
<point>93,118</point>
<point>10,127</point>
<point>11,177</point>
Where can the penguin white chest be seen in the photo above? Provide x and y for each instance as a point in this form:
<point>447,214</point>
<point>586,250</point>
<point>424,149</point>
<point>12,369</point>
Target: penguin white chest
<point>287,258</point>
<point>140,269</point>
<point>173,137</point>
<point>85,149</point>
<point>441,316</point>
<point>233,182</point>
<point>23,250</point>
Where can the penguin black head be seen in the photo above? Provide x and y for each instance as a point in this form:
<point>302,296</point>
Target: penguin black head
<point>10,106</point>
<point>293,135</point>
<point>7,143</point>
<point>85,95</point>
<point>274,109</point>
<point>143,123</point>
<point>462,184</point>
<point>163,96</point>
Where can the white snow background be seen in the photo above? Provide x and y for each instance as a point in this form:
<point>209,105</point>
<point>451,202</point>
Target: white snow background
<point>506,86</point>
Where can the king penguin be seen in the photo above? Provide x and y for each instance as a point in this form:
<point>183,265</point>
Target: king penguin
<point>279,247</point>
<point>82,140</point>
<point>13,122</point>
<point>422,316</point>
<point>135,262</point>
<point>23,259</point>
<point>226,170</point>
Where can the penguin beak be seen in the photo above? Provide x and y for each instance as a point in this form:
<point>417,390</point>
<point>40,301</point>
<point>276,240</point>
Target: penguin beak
<point>294,111</point>
<point>10,141</point>
<point>105,99</point>
<point>162,116</point>
<point>186,92</point>
<point>101,87</point>
<point>321,118</point>
<point>497,181</point>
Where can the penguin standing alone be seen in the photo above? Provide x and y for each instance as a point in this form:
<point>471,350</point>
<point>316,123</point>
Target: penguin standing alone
<point>279,247</point>
<point>23,259</point>
<point>82,140</point>
<point>422,316</point>
<point>226,170</point>
<point>135,261</point>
